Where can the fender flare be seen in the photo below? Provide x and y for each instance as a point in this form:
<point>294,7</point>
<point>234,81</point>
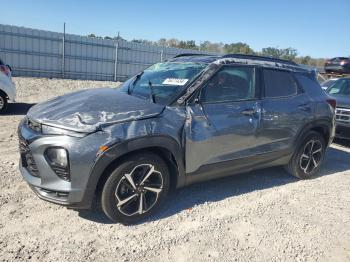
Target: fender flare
<point>325,124</point>
<point>120,149</point>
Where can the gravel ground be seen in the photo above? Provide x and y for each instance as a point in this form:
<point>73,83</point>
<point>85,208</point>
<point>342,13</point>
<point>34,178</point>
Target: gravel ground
<point>258,216</point>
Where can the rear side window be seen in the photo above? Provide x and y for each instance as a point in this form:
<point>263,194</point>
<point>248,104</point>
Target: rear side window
<point>309,84</point>
<point>279,83</point>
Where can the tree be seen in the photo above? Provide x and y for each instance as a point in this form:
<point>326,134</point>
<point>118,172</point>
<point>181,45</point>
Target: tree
<point>172,42</point>
<point>142,41</point>
<point>238,48</point>
<point>162,42</point>
<point>191,44</point>
<point>211,47</point>
<point>287,53</point>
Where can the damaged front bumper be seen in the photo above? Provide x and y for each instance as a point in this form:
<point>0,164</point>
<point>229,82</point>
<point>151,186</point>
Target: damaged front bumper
<point>43,180</point>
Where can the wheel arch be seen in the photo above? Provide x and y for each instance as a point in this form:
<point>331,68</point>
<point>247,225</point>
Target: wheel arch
<point>322,126</point>
<point>3,93</point>
<point>165,147</point>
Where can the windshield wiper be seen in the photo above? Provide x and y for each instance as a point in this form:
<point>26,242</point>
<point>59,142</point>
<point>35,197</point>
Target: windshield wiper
<point>132,83</point>
<point>151,93</point>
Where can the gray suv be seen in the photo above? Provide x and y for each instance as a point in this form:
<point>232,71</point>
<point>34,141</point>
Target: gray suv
<point>189,119</point>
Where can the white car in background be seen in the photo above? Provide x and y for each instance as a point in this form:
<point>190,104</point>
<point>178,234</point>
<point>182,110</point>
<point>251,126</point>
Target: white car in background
<point>326,84</point>
<point>7,87</point>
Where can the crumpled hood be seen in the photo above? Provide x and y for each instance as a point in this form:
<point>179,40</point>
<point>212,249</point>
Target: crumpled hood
<point>342,101</point>
<point>89,110</point>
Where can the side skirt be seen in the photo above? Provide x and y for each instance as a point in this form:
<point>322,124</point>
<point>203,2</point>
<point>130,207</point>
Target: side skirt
<point>237,166</point>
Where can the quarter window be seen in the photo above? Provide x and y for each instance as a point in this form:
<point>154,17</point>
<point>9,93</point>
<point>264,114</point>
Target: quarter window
<point>230,84</point>
<point>279,83</point>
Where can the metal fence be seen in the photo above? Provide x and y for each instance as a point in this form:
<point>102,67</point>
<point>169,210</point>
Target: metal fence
<point>38,53</point>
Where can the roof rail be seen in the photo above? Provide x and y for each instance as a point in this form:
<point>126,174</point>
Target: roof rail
<point>260,58</point>
<point>189,54</point>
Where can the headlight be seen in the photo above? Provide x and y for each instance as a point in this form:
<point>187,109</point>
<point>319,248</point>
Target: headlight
<point>33,125</point>
<point>50,130</point>
<point>57,157</point>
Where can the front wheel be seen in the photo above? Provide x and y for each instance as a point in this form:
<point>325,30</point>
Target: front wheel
<point>136,188</point>
<point>308,157</point>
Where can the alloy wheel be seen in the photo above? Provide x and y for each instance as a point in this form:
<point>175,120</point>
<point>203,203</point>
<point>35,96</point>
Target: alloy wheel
<point>138,191</point>
<point>311,156</point>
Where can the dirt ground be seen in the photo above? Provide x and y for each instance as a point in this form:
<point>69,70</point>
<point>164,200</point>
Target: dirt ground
<point>259,216</point>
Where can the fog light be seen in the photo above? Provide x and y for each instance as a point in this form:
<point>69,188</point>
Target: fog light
<point>57,157</point>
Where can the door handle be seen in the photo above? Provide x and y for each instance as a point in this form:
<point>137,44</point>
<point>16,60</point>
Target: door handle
<point>249,112</point>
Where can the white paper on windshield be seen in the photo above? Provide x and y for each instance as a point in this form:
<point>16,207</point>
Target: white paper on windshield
<point>175,81</point>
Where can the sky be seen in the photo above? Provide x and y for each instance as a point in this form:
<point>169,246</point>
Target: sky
<point>317,28</point>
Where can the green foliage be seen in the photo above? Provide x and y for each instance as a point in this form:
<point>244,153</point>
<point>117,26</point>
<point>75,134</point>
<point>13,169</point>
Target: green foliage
<point>238,48</point>
<point>284,53</point>
<point>231,48</point>
<point>142,41</point>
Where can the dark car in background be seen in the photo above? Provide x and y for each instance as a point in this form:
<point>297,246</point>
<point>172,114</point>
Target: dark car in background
<point>338,65</point>
<point>340,91</point>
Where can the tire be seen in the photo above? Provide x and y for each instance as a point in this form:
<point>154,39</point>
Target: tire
<point>129,183</point>
<point>308,157</point>
<point>3,102</point>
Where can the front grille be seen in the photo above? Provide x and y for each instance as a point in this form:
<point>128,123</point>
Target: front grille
<point>27,158</point>
<point>342,115</point>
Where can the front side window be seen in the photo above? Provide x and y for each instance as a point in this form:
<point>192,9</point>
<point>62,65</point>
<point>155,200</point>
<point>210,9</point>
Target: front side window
<point>230,84</point>
<point>279,83</point>
<point>163,81</point>
<point>341,87</point>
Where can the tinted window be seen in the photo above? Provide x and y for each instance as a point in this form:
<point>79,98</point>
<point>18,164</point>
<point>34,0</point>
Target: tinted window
<point>341,87</point>
<point>328,83</point>
<point>309,84</point>
<point>230,84</point>
<point>279,83</point>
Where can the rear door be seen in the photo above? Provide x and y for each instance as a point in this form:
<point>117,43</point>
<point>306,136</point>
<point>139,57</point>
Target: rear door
<point>286,108</point>
<point>223,124</point>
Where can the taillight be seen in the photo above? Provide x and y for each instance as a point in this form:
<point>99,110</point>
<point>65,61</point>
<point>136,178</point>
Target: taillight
<point>332,103</point>
<point>5,70</point>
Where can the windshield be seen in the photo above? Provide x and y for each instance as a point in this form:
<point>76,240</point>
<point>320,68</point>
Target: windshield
<point>341,87</point>
<point>328,83</point>
<point>162,82</point>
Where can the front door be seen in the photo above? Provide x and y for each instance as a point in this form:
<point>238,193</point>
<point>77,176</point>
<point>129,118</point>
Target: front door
<point>223,124</point>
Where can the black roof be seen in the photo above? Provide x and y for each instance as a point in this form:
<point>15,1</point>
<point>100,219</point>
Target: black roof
<point>199,58</point>
<point>260,58</point>
<point>238,58</point>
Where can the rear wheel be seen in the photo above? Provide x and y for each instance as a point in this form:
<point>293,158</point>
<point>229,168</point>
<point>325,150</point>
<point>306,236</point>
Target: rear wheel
<point>3,102</point>
<point>136,188</point>
<point>308,157</point>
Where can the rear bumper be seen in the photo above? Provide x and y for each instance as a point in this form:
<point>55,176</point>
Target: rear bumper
<point>342,131</point>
